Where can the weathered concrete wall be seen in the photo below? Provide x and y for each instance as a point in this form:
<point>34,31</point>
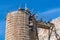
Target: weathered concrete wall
<point>17,27</point>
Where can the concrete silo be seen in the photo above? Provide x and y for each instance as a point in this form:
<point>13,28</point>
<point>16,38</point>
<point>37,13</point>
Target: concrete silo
<point>17,26</point>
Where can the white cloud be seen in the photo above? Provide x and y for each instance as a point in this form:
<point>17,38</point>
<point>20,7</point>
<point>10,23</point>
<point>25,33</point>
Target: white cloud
<point>51,11</point>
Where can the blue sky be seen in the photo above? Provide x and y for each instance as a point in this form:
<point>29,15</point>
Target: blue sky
<point>48,8</point>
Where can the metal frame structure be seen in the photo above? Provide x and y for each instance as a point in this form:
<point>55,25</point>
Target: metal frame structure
<point>45,25</point>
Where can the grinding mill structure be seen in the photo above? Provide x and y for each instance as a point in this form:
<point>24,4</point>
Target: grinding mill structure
<point>22,25</point>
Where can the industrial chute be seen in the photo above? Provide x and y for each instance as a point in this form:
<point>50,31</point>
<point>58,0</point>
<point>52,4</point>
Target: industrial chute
<point>50,27</point>
<point>46,25</point>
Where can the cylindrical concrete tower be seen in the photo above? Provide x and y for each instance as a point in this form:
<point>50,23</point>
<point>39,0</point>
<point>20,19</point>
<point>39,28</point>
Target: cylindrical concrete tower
<point>17,26</point>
